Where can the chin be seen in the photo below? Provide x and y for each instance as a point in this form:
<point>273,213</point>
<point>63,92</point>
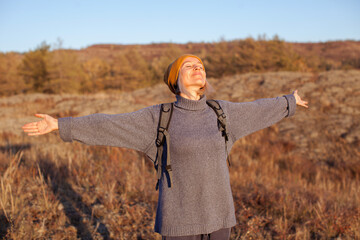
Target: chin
<point>200,81</point>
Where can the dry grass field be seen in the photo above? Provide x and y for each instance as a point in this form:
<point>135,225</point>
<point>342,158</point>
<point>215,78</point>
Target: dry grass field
<point>299,179</point>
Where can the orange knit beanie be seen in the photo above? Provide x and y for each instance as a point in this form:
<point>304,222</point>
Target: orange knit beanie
<point>172,73</point>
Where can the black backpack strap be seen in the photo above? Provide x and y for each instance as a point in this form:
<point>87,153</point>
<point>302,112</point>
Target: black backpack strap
<point>162,136</point>
<point>221,123</point>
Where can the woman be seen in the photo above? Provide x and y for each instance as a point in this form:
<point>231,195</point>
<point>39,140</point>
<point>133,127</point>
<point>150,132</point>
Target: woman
<point>199,202</point>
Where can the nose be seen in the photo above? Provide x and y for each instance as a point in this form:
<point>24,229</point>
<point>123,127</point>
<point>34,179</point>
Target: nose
<point>197,67</point>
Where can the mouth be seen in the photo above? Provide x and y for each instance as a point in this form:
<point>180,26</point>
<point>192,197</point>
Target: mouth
<point>197,73</point>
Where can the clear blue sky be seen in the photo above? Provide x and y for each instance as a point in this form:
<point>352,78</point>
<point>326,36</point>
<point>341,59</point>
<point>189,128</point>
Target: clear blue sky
<point>24,24</point>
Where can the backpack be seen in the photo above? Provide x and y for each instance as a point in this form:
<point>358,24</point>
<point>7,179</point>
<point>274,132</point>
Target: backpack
<point>163,136</point>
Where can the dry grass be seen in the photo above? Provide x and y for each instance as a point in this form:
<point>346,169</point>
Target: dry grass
<point>86,192</point>
<point>299,179</point>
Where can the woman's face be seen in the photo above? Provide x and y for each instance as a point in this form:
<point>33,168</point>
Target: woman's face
<point>192,74</point>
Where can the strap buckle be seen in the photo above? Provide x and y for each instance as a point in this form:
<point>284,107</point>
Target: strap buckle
<point>168,168</point>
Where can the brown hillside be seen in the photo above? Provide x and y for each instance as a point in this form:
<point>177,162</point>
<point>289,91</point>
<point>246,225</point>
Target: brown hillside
<point>339,52</point>
<point>335,50</point>
<point>119,68</point>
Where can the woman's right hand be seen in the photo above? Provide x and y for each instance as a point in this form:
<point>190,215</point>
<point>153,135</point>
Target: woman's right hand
<point>48,124</point>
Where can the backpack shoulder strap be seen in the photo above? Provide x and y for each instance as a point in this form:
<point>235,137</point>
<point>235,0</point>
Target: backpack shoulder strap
<point>166,110</point>
<point>164,122</point>
<point>221,122</point>
<point>220,115</point>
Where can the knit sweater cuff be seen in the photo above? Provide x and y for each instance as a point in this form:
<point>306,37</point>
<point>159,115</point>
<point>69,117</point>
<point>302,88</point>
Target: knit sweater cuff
<point>65,129</point>
<point>291,104</point>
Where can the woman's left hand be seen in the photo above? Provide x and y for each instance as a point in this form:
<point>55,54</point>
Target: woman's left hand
<point>299,101</point>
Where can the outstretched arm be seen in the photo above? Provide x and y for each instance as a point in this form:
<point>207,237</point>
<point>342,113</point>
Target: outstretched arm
<point>46,125</point>
<point>135,130</point>
<point>248,117</point>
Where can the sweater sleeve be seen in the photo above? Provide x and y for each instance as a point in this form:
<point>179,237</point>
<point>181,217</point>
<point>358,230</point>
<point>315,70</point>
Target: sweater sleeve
<point>135,130</point>
<point>249,117</point>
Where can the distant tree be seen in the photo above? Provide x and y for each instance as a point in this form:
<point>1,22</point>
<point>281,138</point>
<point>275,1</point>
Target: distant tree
<point>240,56</point>
<point>119,69</point>
<point>34,68</point>
<point>219,60</point>
<point>350,63</point>
<point>140,75</point>
<point>279,56</point>
<point>246,56</point>
<point>128,71</point>
<point>65,72</point>
<point>10,82</point>
<point>95,72</point>
<point>229,58</point>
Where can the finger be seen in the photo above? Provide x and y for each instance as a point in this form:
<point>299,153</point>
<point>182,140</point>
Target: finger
<point>40,115</point>
<point>30,130</point>
<point>30,125</point>
<point>304,102</point>
<point>304,105</point>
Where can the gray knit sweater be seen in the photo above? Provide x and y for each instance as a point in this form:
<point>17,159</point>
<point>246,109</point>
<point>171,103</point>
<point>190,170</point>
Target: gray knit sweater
<point>200,199</point>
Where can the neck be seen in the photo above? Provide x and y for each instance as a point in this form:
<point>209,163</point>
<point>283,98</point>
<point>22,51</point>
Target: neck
<point>190,96</point>
<point>188,104</point>
<point>190,93</point>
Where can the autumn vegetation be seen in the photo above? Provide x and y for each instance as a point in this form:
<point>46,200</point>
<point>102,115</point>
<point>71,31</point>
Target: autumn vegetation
<point>299,179</point>
<point>100,68</point>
